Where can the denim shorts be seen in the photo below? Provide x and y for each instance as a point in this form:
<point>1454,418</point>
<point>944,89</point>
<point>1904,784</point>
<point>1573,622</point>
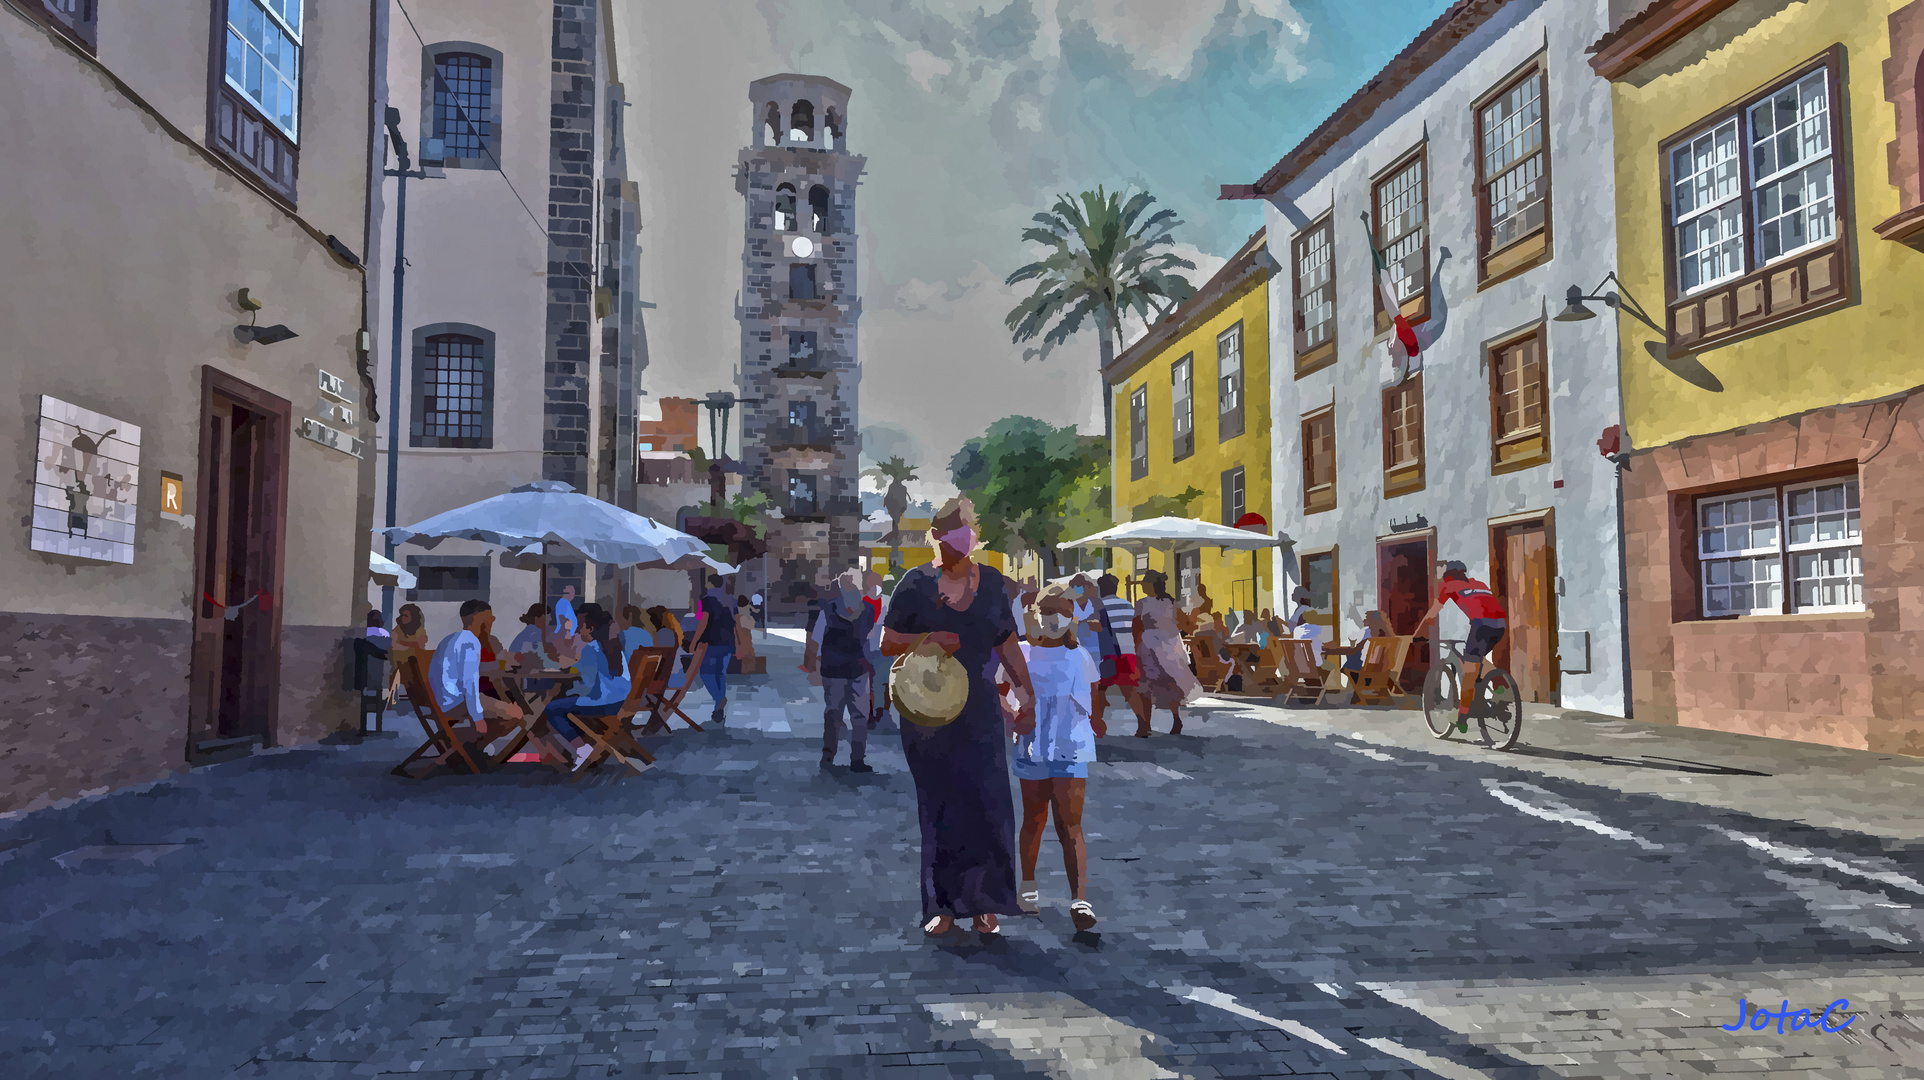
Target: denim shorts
<point>1049,770</point>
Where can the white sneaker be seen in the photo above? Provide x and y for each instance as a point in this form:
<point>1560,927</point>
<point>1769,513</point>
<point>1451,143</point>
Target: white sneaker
<point>582,754</point>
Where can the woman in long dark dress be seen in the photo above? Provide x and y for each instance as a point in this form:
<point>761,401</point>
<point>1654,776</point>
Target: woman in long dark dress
<point>961,769</point>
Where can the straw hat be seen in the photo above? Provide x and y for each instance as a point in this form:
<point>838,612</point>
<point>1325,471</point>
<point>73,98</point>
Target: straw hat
<point>929,686</point>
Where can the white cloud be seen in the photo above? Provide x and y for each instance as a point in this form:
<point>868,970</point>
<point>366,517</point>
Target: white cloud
<point>924,66</point>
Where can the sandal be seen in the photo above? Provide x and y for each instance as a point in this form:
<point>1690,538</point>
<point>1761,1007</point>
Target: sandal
<point>1083,915</point>
<point>991,927</point>
<point>941,924</point>
<point>1029,898</point>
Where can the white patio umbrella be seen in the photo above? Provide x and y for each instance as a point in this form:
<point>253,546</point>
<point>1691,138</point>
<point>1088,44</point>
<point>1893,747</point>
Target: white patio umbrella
<point>548,521</point>
<point>1176,536</point>
<point>385,571</point>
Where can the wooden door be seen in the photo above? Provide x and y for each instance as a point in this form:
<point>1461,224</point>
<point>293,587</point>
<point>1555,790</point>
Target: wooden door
<point>235,674</point>
<point>1521,567</point>
<point>1404,582</point>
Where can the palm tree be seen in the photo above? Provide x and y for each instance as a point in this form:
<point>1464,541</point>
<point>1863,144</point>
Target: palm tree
<point>1105,260</point>
<point>898,473</point>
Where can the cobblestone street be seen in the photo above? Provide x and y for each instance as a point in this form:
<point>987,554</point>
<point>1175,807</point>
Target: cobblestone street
<point>1282,892</point>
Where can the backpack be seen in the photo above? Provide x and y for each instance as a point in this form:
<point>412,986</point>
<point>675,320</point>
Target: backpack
<point>721,622</point>
<point>1106,644</point>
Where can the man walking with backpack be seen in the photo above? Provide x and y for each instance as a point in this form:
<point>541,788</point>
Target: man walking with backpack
<point>842,646</point>
<point>717,629</point>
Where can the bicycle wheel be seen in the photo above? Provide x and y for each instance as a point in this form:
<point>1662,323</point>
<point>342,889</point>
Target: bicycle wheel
<point>1500,709</point>
<point>1440,698</point>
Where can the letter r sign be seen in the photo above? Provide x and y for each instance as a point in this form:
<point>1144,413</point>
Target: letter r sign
<point>172,495</point>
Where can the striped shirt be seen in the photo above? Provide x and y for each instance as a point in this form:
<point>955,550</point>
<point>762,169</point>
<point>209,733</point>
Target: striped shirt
<point>1122,619</point>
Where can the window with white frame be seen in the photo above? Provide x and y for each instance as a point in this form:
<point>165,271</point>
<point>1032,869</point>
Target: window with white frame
<point>264,58</point>
<point>1229,382</point>
<point>1751,545</point>
<point>1755,186</point>
<point>1315,288</point>
<point>1183,406</point>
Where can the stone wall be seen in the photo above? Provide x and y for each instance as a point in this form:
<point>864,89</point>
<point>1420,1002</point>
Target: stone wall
<point>1843,679</point>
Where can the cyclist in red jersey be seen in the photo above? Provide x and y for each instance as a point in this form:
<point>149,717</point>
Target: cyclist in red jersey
<point>1487,618</point>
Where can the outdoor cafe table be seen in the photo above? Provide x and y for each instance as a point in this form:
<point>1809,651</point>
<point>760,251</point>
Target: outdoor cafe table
<point>512,684</point>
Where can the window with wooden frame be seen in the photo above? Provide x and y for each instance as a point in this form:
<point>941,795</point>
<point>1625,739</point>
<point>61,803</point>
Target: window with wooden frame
<point>1751,544</point>
<point>1312,256</point>
<point>1399,205</point>
<point>255,99</point>
<point>1403,437</point>
<point>1139,433</point>
<point>1235,499</point>
<point>75,19</point>
<point>1229,383</point>
<point>1519,411</point>
<point>1182,408</point>
<point>1512,176</point>
<point>1755,206</point>
<point>1319,460</point>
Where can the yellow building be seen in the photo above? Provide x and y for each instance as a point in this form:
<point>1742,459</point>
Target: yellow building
<point>1192,410</point>
<point>1769,219</point>
<point>916,551</point>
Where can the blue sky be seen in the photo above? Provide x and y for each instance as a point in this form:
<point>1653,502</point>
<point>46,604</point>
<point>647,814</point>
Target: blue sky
<point>973,115</point>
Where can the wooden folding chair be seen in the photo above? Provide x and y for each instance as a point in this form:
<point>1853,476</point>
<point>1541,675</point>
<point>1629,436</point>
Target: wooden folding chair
<point>1379,680</point>
<point>1211,671</point>
<point>670,703</point>
<point>1301,677</point>
<point>1270,679</point>
<point>440,731</point>
<point>610,734</point>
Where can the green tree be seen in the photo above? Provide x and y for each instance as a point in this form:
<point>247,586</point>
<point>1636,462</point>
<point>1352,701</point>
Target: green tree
<point>1156,506</point>
<point>1104,260</point>
<point>1020,474</point>
<point>898,473</point>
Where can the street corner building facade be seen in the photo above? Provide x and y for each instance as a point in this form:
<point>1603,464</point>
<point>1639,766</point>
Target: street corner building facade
<point>800,374</point>
<point>186,215</point>
<point>1190,420</point>
<point>1771,218</point>
<point>1445,210</point>
<point>510,340</point>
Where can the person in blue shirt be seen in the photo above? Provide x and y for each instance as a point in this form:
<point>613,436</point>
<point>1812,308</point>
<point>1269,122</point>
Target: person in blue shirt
<point>601,687</point>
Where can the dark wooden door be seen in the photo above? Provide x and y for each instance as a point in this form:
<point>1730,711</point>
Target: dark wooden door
<point>1404,573</point>
<point>1523,578</point>
<point>235,673</point>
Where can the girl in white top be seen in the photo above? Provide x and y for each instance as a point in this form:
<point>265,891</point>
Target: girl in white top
<point>1052,761</point>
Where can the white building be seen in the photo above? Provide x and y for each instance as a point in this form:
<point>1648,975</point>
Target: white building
<point>519,336</point>
<point>1480,157</point>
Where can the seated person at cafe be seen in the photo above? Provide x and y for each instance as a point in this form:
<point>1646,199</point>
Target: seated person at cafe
<point>1300,625</point>
<point>1375,624</point>
<point>526,646</point>
<point>1248,631</point>
<point>601,688</point>
<point>636,629</point>
<point>455,678</point>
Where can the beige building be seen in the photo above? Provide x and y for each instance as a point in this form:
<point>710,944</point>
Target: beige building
<point>185,215</point>
<point>519,332</point>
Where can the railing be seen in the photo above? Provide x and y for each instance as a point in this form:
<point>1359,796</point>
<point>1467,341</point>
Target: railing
<point>811,435</point>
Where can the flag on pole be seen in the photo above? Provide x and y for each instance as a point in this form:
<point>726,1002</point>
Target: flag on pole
<point>1402,354</point>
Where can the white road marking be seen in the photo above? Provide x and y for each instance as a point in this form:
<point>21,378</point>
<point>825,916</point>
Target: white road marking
<point>1558,810</point>
<point>1203,995</point>
<point>1439,1065</point>
<point>1331,989</point>
<point>1373,755</point>
<point>1796,856</point>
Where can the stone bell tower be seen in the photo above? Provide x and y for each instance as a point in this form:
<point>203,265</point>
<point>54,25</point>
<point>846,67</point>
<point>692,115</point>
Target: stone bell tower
<point>799,304</point>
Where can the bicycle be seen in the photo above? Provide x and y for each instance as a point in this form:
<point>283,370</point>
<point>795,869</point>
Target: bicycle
<point>1496,707</point>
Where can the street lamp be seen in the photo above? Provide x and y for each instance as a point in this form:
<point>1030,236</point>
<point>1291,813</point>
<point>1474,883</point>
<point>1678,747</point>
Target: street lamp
<point>1574,311</point>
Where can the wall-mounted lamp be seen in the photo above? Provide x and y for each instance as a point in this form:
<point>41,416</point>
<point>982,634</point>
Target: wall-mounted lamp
<point>249,333</point>
<point>1574,311</point>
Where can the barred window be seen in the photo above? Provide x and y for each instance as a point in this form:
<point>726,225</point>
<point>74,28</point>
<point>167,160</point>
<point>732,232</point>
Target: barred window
<point>454,392</point>
<point>1315,289</point>
<point>1402,228</point>
<point>1752,543</point>
<point>464,104</point>
<point>1514,193</point>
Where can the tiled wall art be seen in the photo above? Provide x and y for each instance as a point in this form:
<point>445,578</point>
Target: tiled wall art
<point>86,483</point>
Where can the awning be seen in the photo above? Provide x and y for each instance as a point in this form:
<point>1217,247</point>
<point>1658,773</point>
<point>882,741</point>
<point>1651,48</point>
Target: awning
<point>387,572</point>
